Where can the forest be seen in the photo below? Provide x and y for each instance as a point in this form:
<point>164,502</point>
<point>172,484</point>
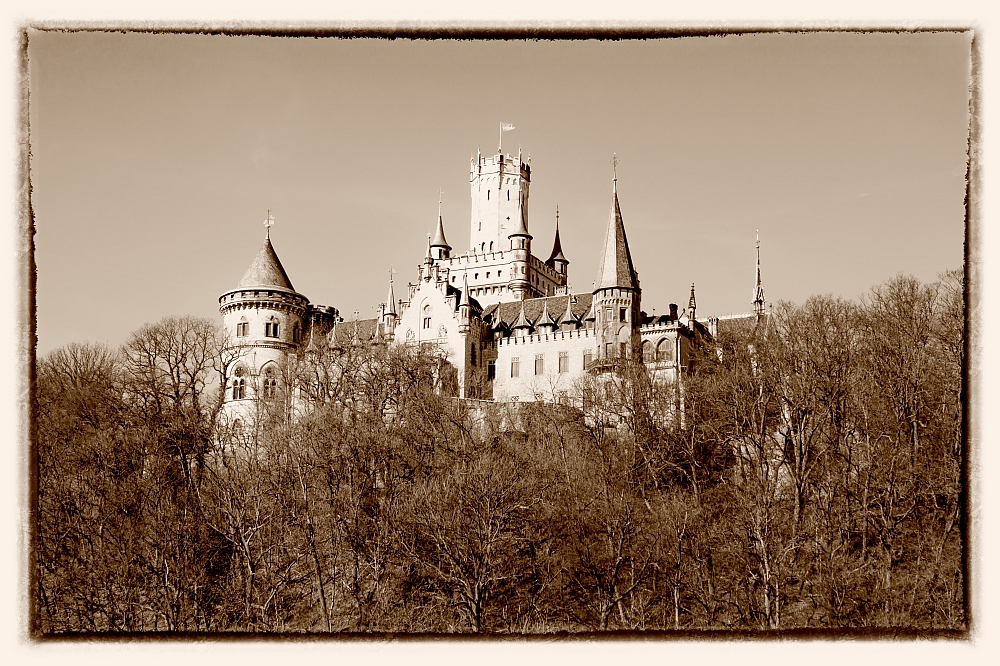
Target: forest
<point>812,480</point>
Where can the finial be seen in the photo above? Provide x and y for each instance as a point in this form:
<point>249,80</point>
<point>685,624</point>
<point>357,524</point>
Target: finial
<point>440,197</point>
<point>557,216</point>
<point>268,223</point>
<point>614,168</point>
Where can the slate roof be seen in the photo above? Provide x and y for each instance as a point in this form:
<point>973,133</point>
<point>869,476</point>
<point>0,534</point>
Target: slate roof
<point>508,312</point>
<point>344,332</point>
<point>266,270</point>
<point>616,261</point>
<point>557,253</point>
<point>439,240</point>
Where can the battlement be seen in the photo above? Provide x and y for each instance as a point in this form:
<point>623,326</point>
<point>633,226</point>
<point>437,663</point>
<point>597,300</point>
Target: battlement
<point>539,338</point>
<point>490,165</point>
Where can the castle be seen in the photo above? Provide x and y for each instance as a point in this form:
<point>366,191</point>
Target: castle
<point>506,321</point>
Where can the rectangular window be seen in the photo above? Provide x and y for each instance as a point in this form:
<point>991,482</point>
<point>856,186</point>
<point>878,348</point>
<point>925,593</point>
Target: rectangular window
<point>588,358</point>
<point>607,350</point>
<point>515,367</point>
<point>621,349</point>
<point>427,322</point>
<point>491,370</point>
<point>621,314</point>
<point>563,362</point>
<point>539,364</point>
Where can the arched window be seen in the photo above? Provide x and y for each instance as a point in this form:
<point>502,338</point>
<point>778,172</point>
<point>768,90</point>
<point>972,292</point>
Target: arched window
<point>296,333</point>
<point>271,328</point>
<point>665,350</point>
<point>491,246</point>
<point>239,384</point>
<point>427,316</point>
<point>270,384</point>
<point>483,247</point>
<point>243,328</point>
<point>648,352</point>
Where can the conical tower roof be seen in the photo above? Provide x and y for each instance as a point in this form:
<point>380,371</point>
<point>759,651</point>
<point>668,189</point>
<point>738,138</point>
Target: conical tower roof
<point>616,268</point>
<point>439,240</point>
<point>266,270</point>
<point>557,253</point>
<point>521,229</point>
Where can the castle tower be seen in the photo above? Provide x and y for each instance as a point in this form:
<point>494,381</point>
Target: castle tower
<point>758,290</point>
<point>557,260</point>
<point>439,246</point>
<point>519,242</point>
<point>265,317</point>
<point>616,298</point>
<point>499,186</point>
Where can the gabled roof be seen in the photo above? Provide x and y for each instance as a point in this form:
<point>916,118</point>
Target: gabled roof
<point>266,270</point>
<point>616,268</point>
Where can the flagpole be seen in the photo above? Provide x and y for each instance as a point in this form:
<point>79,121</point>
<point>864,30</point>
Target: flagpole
<point>500,147</point>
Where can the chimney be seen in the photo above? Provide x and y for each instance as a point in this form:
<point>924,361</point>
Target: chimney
<point>673,312</point>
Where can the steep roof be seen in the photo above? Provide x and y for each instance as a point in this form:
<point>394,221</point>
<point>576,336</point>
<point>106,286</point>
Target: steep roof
<point>439,240</point>
<point>557,253</point>
<point>616,268</point>
<point>266,270</point>
<point>508,312</point>
<point>346,333</point>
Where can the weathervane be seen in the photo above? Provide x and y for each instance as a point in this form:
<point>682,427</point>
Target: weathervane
<point>614,165</point>
<point>268,223</point>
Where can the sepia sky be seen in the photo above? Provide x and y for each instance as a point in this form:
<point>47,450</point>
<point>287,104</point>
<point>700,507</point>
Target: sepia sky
<point>155,158</point>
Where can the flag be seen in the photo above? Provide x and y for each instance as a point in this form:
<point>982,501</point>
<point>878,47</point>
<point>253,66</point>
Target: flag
<point>506,126</point>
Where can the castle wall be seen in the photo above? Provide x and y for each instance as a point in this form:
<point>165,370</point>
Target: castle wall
<point>550,384</point>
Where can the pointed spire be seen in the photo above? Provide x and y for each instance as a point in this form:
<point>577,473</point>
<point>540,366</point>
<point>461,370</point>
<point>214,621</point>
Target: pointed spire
<point>522,321</point>
<point>568,317</point>
<point>692,303</point>
<point>427,257</point>
<point>390,305</point>
<point>439,240</point>
<point>545,319</point>
<point>521,229</point>
<point>616,269</point>
<point>557,253</point>
<point>758,290</point>
<point>464,299</point>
